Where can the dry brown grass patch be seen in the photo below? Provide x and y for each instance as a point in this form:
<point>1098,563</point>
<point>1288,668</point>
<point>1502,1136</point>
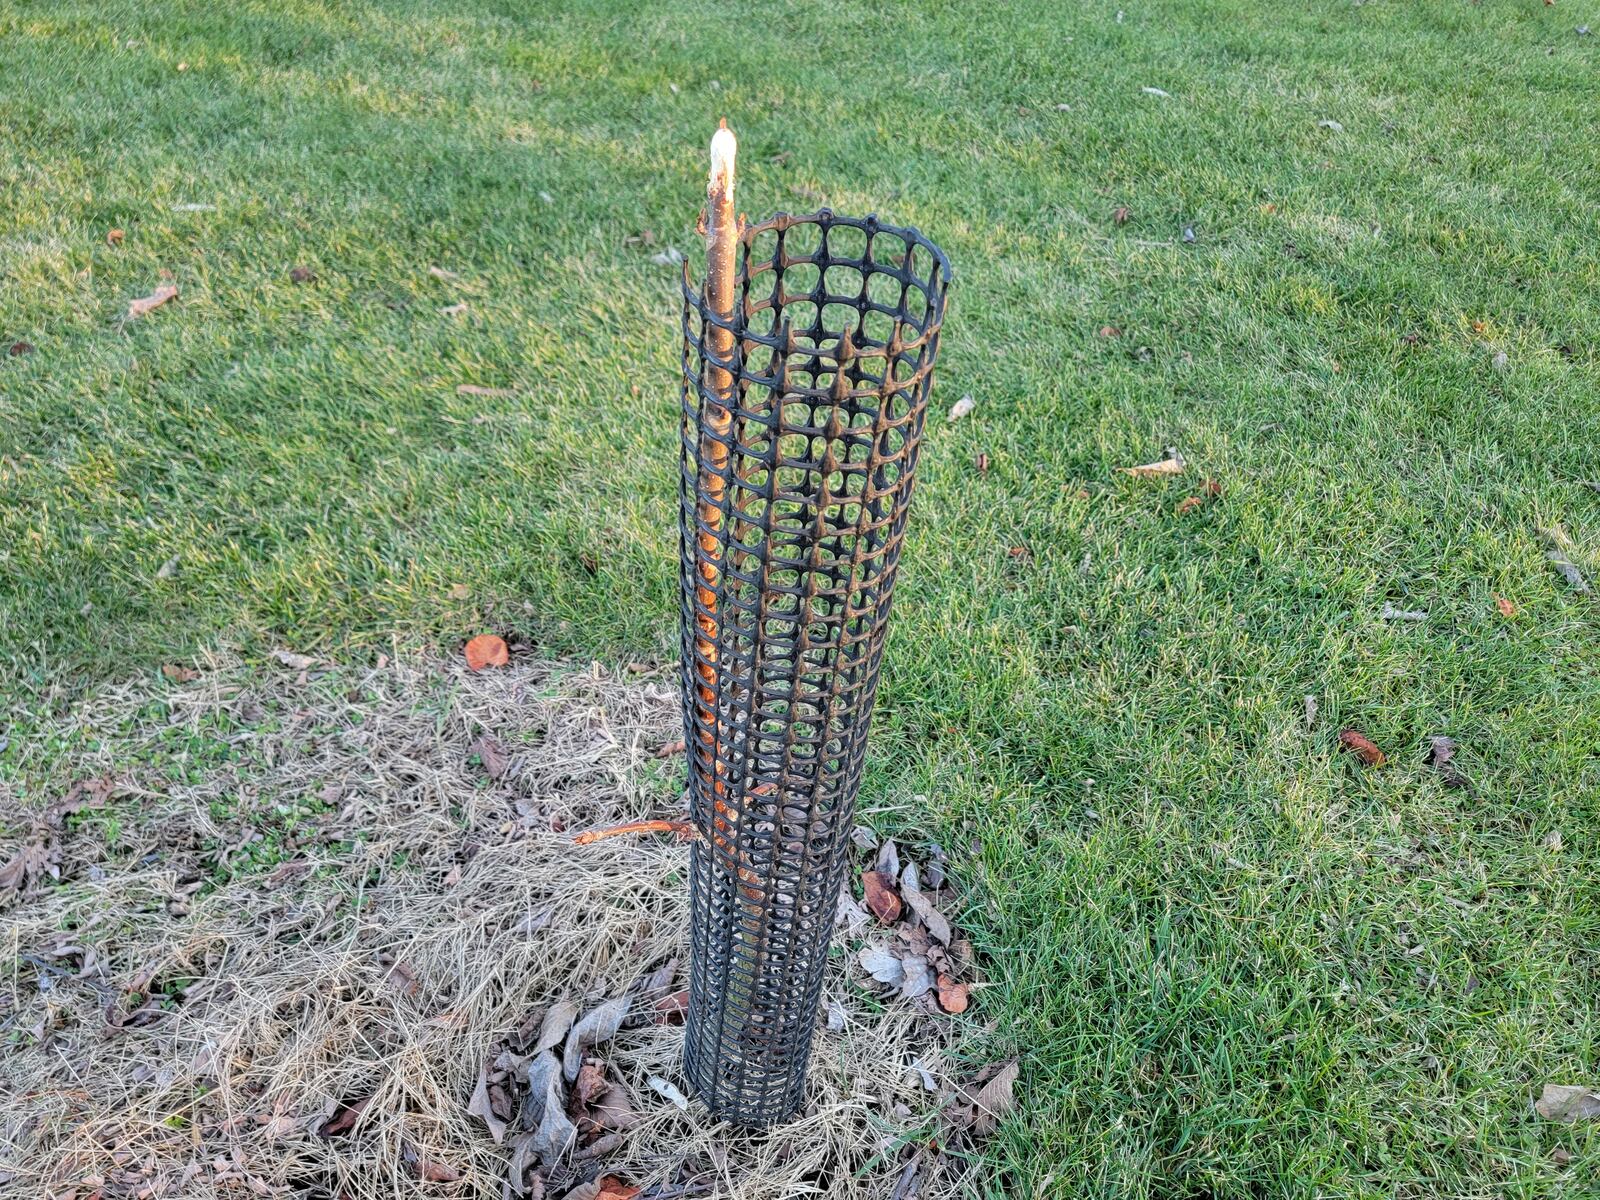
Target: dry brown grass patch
<point>307,894</point>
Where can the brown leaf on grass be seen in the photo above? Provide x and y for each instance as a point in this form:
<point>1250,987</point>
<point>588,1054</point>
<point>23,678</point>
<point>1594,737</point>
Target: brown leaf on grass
<point>934,920</point>
<point>34,859</point>
<point>179,674</point>
<point>612,1188</point>
<point>492,754</point>
<point>981,462</point>
<point>482,1106</point>
<point>345,1118</point>
<point>1120,214</point>
<point>147,304</point>
<point>599,1025</point>
<point>1441,750</point>
<point>18,349</point>
<point>1212,488</point>
<point>553,1029</point>
<point>882,897</point>
<point>114,237</point>
<point>1188,504</point>
<point>459,591</point>
<point>1568,570</point>
<point>1109,331</point>
<point>668,749</point>
<point>1173,464</point>
<point>952,995</point>
<point>591,1081</point>
<point>431,1171</point>
<point>1507,608</point>
<point>1362,747</point>
<point>671,1009</point>
<point>402,977</point>
<point>1567,1103</point>
<point>883,965</point>
<point>487,650</point>
<point>979,1106</point>
<point>302,275</point>
<point>295,662</point>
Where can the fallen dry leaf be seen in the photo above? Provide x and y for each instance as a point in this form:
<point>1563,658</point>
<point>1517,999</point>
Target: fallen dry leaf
<point>668,749</point>
<point>919,976</point>
<point>1173,464</point>
<point>881,895</point>
<point>18,349</point>
<point>952,995</point>
<point>598,1026</point>
<point>1441,750</point>
<point>146,304</point>
<point>981,462</point>
<point>612,1188</point>
<point>487,650</point>
<point>34,859</point>
<point>1568,570</point>
<point>482,1107</point>
<point>431,1171</point>
<point>934,920</point>
<point>1363,748</point>
<point>557,1020</point>
<point>1109,331</point>
<point>1188,504</point>
<point>492,753</point>
<point>179,674</point>
<point>882,965</point>
<point>1566,1103</point>
<point>114,237</point>
<point>295,662</point>
<point>1121,213</point>
<point>302,275</point>
<point>671,1009</point>
<point>980,1105</point>
<point>1391,613</point>
<point>668,1092</point>
<point>961,408</point>
<point>345,1118</point>
<point>1506,607</point>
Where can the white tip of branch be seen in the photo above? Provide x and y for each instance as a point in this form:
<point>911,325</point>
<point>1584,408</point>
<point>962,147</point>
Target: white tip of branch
<point>723,148</point>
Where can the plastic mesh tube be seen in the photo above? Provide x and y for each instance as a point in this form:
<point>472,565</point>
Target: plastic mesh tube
<point>795,484</point>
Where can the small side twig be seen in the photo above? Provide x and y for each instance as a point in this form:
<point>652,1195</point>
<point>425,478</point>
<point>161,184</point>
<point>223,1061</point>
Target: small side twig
<point>684,829</point>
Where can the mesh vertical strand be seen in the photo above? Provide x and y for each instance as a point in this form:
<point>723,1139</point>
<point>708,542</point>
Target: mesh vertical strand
<point>792,509</point>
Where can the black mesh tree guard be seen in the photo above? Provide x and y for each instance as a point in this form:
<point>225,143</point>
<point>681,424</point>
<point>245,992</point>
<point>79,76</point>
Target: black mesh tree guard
<point>796,475</point>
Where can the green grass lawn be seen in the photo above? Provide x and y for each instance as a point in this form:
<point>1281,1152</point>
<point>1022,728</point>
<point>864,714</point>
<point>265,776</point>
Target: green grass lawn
<point>1236,963</point>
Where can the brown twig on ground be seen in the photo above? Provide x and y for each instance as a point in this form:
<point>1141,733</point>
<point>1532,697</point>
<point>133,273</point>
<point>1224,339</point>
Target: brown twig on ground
<point>684,829</point>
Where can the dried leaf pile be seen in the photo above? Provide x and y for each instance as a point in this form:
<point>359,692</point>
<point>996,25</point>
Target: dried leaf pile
<point>351,951</point>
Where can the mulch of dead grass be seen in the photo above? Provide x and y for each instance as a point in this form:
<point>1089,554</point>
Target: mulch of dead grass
<point>345,947</point>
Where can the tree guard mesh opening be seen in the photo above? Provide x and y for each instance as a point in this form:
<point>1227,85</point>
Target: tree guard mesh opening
<point>802,417</point>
